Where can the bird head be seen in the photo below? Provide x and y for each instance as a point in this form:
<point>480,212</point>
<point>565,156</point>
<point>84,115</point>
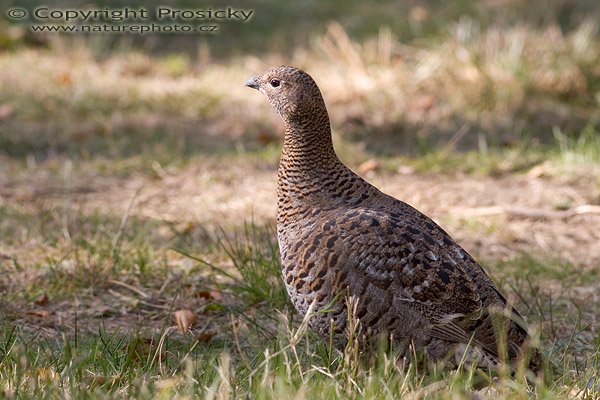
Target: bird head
<point>291,91</point>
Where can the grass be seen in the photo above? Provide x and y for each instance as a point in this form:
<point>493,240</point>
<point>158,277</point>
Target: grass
<point>247,342</point>
<point>496,85</point>
<point>584,149</point>
<point>105,232</point>
<point>475,99</point>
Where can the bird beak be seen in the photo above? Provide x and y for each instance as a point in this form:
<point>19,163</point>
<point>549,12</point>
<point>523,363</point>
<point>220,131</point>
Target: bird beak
<point>253,83</point>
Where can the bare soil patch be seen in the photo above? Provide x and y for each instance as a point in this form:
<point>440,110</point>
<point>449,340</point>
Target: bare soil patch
<point>477,210</point>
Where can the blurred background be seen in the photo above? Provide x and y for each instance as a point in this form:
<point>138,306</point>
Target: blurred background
<point>410,73</point>
<point>138,174</point>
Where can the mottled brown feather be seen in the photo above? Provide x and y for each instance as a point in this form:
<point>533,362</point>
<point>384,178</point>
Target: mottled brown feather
<point>339,236</point>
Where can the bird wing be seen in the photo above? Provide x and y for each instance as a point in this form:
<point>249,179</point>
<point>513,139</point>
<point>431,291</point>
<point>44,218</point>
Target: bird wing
<point>408,255</point>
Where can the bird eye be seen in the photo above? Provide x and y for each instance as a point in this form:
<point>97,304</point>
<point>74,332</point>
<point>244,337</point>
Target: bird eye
<point>275,82</point>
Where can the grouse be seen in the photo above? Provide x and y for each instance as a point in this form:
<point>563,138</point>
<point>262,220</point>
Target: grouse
<point>340,238</point>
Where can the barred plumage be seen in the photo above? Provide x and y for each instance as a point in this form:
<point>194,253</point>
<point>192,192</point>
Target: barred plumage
<point>339,236</point>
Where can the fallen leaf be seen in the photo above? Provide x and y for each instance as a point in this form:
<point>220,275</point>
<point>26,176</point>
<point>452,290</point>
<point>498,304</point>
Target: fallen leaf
<point>41,300</point>
<point>185,319</point>
<point>38,313</point>
<point>211,295</point>
<point>205,336</point>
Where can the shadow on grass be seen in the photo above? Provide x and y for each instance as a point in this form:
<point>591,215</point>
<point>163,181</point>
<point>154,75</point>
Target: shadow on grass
<point>178,142</point>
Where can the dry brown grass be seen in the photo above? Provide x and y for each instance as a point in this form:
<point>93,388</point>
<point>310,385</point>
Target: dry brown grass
<point>497,83</point>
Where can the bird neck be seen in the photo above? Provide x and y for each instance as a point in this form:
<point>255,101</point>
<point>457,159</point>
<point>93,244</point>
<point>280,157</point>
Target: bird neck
<point>308,147</point>
<point>309,167</point>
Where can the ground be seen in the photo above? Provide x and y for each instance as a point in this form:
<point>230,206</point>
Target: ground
<point>63,273</point>
<point>137,205</point>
